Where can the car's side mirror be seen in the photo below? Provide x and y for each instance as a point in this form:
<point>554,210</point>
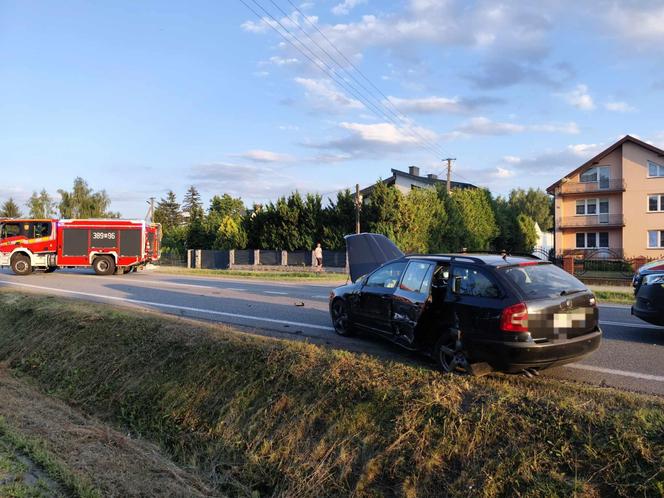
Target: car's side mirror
<point>456,285</point>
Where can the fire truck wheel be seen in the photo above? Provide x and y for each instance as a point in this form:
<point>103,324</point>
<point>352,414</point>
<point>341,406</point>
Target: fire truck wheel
<point>50,269</point>
<point>21,265</point>
<point>126,270</point>
<point>104,265</point>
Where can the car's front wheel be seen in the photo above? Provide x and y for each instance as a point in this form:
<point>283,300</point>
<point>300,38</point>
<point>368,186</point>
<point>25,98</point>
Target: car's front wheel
<point>340,320</point>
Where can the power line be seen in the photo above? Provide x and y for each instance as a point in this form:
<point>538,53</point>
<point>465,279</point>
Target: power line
<point>404,120</point>
<point>327,69</point>
<point>350,62</point>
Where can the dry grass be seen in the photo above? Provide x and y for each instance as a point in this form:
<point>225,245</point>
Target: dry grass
<point>267,417</point>
<point>87,456</point>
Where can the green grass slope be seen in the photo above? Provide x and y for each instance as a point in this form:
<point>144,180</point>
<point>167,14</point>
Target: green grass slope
<point>265,417</point>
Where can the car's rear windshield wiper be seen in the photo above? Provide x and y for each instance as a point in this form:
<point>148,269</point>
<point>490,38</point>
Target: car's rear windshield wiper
<point>571,291</point>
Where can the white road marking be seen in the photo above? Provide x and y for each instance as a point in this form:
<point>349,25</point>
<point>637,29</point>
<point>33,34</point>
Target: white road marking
<point>623,373</point>
<point>616,306</point>
<point>276,293</point>
<point>320,297</point>
<point>171,306</point>
<point>626,324</point>
<point>235,289</point>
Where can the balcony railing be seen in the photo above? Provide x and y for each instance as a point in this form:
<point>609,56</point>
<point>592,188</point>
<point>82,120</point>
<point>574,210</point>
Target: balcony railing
<point>613,185</point>
<point>593,220</point>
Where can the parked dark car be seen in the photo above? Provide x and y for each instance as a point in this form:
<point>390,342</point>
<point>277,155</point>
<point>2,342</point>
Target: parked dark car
<point>648,285</point>
<point>514,313</point>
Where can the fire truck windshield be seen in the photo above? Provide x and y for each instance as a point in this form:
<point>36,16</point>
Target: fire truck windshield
<point>29,230</point>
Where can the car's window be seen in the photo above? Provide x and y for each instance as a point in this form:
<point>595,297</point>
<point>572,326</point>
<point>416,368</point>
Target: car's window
<point>415,276</point>
<point>388,276</point>
<point>543,280</point>
<point>474,282</point>
<point>10,230</point>
<point>40,229</point>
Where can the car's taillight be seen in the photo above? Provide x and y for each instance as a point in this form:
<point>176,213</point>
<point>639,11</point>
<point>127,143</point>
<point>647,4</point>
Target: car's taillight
<point>515,318</point>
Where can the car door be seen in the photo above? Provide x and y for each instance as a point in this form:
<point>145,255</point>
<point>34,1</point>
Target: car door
<point>478,304</point>
<point>410,299</point>
<point>374,305</point>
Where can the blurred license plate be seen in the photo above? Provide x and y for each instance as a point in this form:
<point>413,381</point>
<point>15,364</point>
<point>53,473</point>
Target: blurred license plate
<point>570,319</point>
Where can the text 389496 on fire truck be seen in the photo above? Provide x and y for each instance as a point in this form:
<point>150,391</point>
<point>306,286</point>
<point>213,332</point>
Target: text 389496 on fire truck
<point>108,246</point>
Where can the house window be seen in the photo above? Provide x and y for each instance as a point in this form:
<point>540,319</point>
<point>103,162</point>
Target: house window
<point>655,239</point>
<point>655,170</point>
<point>588,206</point>
<point>592,240</point>
<point>656,202</point>
<point>589,175</point>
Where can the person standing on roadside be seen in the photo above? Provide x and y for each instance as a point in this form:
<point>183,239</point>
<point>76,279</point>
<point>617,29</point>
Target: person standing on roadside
<point>318,254</point>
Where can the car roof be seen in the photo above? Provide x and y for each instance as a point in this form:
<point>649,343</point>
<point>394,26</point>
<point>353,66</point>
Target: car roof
<point>496,260</point>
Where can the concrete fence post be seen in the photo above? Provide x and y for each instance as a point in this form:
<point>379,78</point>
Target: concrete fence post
<point>231,258</point>
<point>257,257</point>
<point>189,256</point>
<point>284,258</point>
<point>199,258</point>
<point>313,259</point>
<point>568,264</point>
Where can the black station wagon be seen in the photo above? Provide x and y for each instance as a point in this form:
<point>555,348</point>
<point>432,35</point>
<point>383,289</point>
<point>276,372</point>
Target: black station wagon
<point>514,313</point>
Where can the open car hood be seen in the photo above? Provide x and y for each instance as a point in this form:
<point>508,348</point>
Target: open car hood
<point>368,251</point>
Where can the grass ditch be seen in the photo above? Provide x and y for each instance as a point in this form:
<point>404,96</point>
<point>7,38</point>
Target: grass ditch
<point>21,480</point>
<point>259,417</point>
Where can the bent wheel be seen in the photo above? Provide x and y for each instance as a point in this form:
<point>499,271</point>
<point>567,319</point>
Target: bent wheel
<point>340,320</point>
<point>449,353</point>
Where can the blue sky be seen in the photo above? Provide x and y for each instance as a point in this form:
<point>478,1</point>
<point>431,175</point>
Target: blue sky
<point>142,97</point>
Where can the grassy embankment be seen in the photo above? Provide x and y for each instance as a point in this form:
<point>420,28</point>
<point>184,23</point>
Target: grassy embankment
<point>258,416</point>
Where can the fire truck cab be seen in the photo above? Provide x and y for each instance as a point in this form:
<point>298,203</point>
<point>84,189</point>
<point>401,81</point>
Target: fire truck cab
<point>108,246</point>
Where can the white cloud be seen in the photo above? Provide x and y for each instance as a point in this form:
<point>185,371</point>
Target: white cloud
<point>584,150</point>
<point>512,159</point>
<point>643,24</point>
<point>503,172</point>
<point>485,126</point>
<point>345,7</point>
<point>436,104</point>
<point>579,98</point>
<point>265,156</point>
<point>373,141</point>
<point>387,133</point>
<point>277,60</point>
<point>324,94</point>
<point>618,107</point>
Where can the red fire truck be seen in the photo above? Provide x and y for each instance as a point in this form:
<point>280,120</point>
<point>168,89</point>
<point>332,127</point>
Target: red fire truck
<point>108,246</point>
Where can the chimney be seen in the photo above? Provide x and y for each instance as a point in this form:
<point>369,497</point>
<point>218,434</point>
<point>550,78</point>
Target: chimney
<point>431,176</point>
<point>414,170</point>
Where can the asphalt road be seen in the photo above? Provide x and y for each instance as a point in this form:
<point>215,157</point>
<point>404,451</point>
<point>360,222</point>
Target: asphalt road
<point>631,356</point>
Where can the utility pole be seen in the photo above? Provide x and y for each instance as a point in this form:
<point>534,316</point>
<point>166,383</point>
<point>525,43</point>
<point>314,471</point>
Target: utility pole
<point>150,216</point>
<point>449,173</point>
<point>358,207</point>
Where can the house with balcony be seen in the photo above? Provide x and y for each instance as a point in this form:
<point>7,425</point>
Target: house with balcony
<point>613,203</point>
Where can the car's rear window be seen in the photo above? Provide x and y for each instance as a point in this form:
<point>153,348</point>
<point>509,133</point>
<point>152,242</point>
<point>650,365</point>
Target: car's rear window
<point>543,280</point>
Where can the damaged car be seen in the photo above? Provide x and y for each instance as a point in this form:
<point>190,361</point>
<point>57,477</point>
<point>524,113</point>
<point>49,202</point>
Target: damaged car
<point>516,314</point>
<point>648,285</point>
